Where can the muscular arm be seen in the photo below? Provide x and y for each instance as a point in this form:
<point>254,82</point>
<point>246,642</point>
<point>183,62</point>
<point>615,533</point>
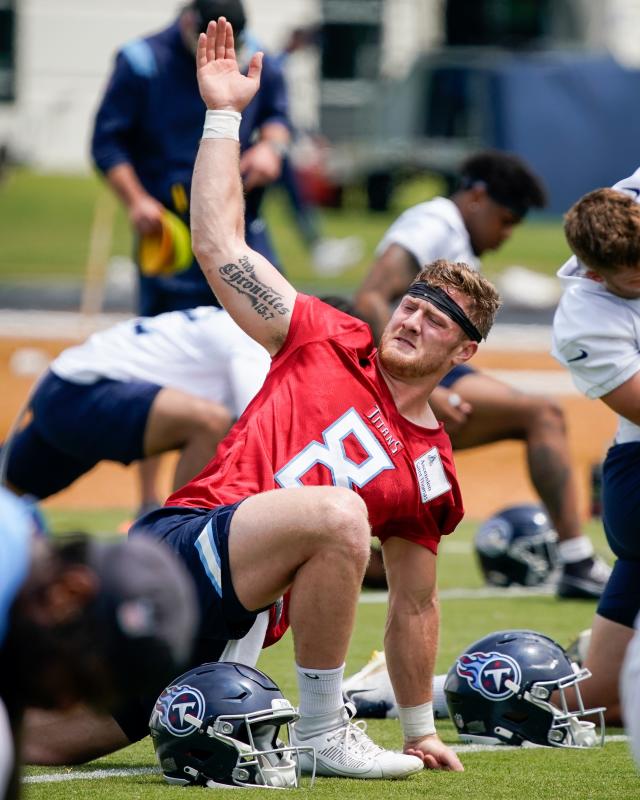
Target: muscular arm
<point>411,638</point>
<point>413,620</point>
<point>387,280</point>
<point>254,293</point>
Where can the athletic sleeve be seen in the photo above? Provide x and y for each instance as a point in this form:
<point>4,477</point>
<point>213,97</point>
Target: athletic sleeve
<point>602,358</point>
<point>423,235</point>
<point>437,522</point>
<point>313,320</point>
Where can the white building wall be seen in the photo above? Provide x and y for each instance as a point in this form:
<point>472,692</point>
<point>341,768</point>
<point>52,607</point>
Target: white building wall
<point>65,52</point>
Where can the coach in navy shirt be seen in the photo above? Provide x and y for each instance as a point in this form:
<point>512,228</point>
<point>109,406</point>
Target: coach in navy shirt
<point>147,131</point>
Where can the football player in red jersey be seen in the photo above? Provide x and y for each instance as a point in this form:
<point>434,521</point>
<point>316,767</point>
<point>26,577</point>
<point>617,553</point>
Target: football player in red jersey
<point>349,431</point>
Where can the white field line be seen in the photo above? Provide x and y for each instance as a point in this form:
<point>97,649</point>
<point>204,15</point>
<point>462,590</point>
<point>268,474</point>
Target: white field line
<point>501,748</point>
<point>483,593</point>
<point>90,775</point>
<point>132,772</point>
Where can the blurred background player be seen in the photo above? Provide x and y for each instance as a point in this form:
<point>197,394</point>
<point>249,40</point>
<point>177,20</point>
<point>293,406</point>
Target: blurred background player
<point>72,613</point>
<point>145,140</point>
<point>142,387</point>
<point>595,335</point>
<point>495,192</point>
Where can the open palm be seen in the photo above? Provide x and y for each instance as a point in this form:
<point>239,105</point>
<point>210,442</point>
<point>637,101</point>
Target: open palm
<point>221,84</point>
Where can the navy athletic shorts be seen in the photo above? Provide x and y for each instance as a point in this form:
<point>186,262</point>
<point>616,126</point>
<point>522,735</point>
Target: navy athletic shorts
<point>455,374</point>
<point>73,427</point>
<point>620,601</point>
<point>200,538</point>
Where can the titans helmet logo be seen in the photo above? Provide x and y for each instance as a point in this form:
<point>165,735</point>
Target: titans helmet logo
<point>174,703</point>
<point>488,673</point>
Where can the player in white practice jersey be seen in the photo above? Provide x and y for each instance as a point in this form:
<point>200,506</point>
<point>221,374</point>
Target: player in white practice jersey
<point>140,388</point>
<point>596,335</point>
<point>494,193</point>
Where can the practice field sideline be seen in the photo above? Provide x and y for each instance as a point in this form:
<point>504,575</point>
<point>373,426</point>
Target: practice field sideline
<point>491,476</point>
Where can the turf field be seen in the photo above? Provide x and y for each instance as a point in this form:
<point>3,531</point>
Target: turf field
<point>467,614</point>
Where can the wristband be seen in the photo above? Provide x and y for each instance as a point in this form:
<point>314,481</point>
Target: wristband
<point>222,125</point>
<point>417,721</point>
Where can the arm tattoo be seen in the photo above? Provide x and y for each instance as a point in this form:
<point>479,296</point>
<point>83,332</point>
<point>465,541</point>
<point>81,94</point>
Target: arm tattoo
<point>267,302</point>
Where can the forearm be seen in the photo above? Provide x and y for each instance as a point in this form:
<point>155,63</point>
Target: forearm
<point>125,183</point>
<point>217,206</point>
<point>411,643</point>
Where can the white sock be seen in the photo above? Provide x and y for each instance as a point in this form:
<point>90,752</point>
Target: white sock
<point>320,690</point>
<point>576,549</point>
<point>440,708</point>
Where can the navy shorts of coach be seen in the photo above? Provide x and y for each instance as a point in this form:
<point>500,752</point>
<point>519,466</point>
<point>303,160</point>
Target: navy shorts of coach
<point>620,601</point>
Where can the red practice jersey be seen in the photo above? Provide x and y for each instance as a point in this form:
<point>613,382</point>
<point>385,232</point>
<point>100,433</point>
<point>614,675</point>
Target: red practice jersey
<point>325,417</point>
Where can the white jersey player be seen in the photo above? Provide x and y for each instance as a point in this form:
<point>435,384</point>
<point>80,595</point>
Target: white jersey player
<point>140,388</point>
<point>596,335</point>
<point>494,193</point>
<point>431,230</point>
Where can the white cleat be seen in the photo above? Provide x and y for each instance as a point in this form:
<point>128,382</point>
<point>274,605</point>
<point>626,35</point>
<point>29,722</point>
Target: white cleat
<point>347,752</point>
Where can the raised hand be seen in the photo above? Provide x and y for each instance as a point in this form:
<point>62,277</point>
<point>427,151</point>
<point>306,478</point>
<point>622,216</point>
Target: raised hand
<point>221,84</point>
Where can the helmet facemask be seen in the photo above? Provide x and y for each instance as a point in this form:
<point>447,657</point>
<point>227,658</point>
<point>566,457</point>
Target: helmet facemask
<point>263,760</point>
<point>568,729</point>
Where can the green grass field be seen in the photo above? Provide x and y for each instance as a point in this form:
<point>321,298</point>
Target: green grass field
<point>540,774</point>
<point>45,224</point>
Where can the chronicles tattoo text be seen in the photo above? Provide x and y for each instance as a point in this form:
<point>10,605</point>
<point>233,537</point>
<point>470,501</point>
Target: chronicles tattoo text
<point>265,300</point>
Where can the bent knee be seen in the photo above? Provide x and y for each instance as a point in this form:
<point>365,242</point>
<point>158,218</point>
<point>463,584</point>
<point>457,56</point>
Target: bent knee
<point>346,521</point>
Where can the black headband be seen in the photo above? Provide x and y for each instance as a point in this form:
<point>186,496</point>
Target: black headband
<point>443,302</point>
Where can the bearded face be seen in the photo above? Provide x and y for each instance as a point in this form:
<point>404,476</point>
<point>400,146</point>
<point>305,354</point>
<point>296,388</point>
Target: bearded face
<point>419,341</point>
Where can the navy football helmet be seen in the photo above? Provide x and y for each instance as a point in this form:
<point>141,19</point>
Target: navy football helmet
<point>499,691</point>
<point>217,726</point>
<point>517,545</point>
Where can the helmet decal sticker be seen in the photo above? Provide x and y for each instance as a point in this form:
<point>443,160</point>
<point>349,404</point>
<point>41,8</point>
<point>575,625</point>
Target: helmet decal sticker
<point>488,673</point>
<point>174,703</point>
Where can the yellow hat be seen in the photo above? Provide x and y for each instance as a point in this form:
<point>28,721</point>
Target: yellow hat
<point>167,252</point>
